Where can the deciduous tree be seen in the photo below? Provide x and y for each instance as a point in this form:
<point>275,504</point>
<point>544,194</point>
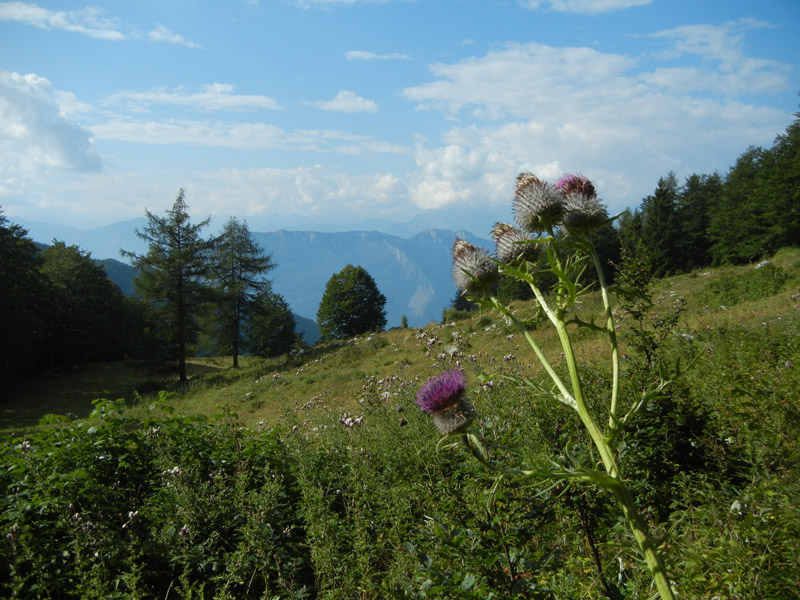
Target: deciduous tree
<point>351,304</point>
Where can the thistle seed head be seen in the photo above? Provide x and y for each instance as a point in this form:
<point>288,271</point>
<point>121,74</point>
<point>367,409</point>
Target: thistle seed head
<point>513,244</point>
<point>537,205</point>
<point>472,267</point>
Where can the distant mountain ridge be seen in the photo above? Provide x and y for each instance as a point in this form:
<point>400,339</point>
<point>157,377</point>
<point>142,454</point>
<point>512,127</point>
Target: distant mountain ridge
<point>414,273</point>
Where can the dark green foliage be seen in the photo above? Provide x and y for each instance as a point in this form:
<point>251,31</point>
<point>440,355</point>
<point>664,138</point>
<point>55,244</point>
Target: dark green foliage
<point>270,328</point>
<point>351,305</point>
<point>238,271</point>
<point>22,302</point>
<point>695,203</point>
<point>85,309</point>
<point>661,228</point>
<point>172,276</point>
<point>138,508</point>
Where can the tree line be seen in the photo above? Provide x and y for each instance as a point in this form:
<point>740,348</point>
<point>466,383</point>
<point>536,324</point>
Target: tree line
<point>711,220</point>
<point>193,294</point>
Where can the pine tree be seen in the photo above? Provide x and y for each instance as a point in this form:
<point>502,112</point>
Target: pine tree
<point>660,228</point>
<point>695,204</point>
<point>173,275</point>
<point>351,304</point>
<point>270,328</point>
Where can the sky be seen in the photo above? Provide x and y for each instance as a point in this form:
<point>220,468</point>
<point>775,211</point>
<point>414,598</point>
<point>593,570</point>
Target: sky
<point>287,113</point>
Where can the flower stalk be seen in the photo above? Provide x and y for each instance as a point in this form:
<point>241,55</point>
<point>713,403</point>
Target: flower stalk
<point>560,218</point>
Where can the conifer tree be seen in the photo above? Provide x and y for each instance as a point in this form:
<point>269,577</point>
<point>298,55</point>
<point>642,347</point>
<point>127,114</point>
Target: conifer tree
<point>238,272</point>
<point>173,275</point>
<point>660,228</point>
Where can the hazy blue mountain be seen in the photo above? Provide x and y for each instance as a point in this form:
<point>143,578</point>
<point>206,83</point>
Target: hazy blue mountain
<point>102,242</point>
<point>413,272</point>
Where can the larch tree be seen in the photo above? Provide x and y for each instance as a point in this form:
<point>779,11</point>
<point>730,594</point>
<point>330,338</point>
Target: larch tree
<point>238,276</point>
<point>173,274</point>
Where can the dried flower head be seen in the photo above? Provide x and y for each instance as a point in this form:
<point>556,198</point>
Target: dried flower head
<point>472,267</point>
<point>443,398</point>
<point>583,214</point>
<point>513,244</point>
<point>577,184</point>
<point>537,205</point>
<point>582,211</point>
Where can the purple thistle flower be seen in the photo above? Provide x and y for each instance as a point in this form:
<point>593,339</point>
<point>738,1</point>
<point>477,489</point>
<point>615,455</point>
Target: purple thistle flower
<point>443,398</point>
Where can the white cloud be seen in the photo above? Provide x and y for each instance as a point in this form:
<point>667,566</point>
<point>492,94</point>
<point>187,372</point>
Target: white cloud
<point>348,102</point>
<point>584,6</point>
<point>554,110</point>
<point>90,21</point>
<point>212,97</point>
<point>34,132</point>
<point>735,72</point>
<point>163,34</point>
<point>364,55</point>
<point>237,136</point>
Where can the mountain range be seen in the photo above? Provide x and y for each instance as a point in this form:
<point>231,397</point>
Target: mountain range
<point>414,272</point>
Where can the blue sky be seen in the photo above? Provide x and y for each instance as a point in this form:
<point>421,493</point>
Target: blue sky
<point>297,112</point>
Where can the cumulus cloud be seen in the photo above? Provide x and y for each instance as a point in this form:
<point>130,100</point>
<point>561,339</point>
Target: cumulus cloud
<point>90,21</point>
<point>364,55</point>
<point>558,109</point>
<point>348,102</point>
<point>584,6</point>
<point>35,133</point>
<point>305,191</point>
<point>211,97</point>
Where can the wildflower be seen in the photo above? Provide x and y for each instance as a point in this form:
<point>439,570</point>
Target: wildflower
<point>513,244</point>
<point>537,205</point>
<point>582,211</point>
<point>472,267</point>
<point>443,398</point>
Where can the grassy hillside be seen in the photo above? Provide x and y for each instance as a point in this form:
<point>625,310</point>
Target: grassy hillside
<point>317,476</point>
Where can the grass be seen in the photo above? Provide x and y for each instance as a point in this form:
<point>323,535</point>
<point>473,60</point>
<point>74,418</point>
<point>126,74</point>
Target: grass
<point>336,372</point>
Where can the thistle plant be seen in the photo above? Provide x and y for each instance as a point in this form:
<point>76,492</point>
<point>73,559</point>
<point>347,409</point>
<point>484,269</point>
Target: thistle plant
<point>554,222</point>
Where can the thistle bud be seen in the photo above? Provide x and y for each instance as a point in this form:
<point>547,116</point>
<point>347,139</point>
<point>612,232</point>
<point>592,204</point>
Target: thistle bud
<point>537,205</point>
<point>513,244</point>
<point>472,267</point>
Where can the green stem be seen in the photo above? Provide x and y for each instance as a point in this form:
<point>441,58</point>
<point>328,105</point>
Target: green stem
<point>613,422</point>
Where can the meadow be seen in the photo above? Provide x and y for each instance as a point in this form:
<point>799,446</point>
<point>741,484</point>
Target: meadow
<point>316,475</point>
